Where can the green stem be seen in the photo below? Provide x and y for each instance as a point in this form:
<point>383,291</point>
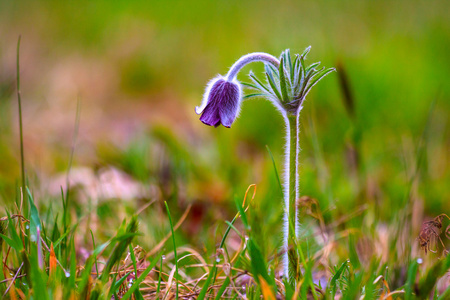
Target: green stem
<point>22,160</point>
<point>291,195</point>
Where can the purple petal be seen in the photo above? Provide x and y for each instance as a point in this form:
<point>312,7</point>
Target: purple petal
<point>210,116</point>
<point>223,99</point>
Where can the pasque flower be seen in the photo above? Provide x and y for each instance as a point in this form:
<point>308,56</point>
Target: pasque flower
<point>223,95</point>
<point>221,102</point>
<point>287,84</point>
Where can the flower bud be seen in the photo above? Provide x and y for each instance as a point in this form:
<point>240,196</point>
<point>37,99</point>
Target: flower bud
<point>221,102</point>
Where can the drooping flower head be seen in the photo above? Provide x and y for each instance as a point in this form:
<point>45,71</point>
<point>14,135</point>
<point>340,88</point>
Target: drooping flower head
<point>221,102</point>
<point>223,95</point>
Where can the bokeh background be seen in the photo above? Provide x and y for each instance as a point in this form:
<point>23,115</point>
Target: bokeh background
<point>137,69</point>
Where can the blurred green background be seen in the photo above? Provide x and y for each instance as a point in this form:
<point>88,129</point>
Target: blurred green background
<point>138,69</point>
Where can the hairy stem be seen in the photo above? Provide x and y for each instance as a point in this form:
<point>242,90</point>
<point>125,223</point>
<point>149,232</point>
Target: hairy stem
<point>246,59</point>
<point>291,196</point>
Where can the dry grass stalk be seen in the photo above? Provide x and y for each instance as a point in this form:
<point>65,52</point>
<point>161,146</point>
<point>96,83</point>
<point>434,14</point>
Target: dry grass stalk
<point>431,233</point>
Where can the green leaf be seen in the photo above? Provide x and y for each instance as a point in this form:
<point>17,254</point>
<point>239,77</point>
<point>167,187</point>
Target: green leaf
<point>317,78</point>
<point>34,215</point>
<point>289,63</point>
<point>312,66</point>
<point>174,248</point>
<point>252,96</point>
<point>272,84</point>
<point>15,239</point>
<point>26,267</point>
<point>83,284</point>
<point>274,71</point>
<point>73,264</point>
<point>409,287</point>
<point>123,238</point>
<point>116,285</point>
<point>283,82</point>
<point>302,71</point>
<point>158,288</point>
<point>38,277</point>
<point>206,285</point>
<point>222,243</point>
<point>227,231</point>
<point>93,244</point>
<point>305,82</point>
<point>258,263</point>
<point>308,282</point>
<point>234,228</point>
<point>336,276</point>
<point>250,86</point>
<point>275,169</point>
<point>258,83</point>
<point>56,234</point>
<point>222,289</point>
<point>296,68</point>
<point>137,293</point>
<point>13,244</point>
<point>290,290</point>
<point>241,212</point>
<point>56,244</point>
<point>354,289</point>
<point>133,257</point>
<point>306,51</point>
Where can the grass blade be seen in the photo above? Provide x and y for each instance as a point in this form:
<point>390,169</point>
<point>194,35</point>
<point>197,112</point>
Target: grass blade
<point>205,287</point>
<point>275,169</point>
<point>116,285</point>
<point>137,293</point>
<point>15,239</point>
<point>409,287</point>
<point>158,289</point>
<point>35,222</point>
<point>258,264</point>
<point>222,288</point>
<point>337,276</point>
<point>93,245</point>
<point>123,238</point>
<point>242,213</point>
<point>141,278</point>
<point>22,159</point>
<point>12,243</point>
<point>174,247</point>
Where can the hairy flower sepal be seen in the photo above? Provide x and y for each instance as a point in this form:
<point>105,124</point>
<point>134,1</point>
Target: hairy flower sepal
<point>221,102</point>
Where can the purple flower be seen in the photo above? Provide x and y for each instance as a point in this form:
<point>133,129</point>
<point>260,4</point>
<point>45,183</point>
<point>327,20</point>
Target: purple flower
<point>221,102</point>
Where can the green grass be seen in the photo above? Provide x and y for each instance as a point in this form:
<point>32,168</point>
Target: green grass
<point>374,161</point>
